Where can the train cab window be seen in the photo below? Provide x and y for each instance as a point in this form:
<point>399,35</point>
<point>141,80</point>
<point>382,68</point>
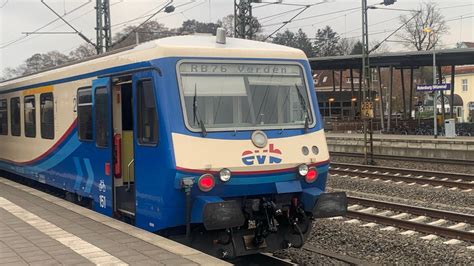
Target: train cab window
<point>147,125</point>
<point>101,117</point>
<point>3,117</point>
<point>84,113</point>
<point>30,116</point>
<point>47,115</point>
<point>15,116</point>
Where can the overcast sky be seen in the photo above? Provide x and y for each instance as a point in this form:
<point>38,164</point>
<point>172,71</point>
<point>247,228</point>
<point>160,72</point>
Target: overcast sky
<point>17,16</point>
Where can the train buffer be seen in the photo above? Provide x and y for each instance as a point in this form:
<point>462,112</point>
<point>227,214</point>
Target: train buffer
<point>38,228</point>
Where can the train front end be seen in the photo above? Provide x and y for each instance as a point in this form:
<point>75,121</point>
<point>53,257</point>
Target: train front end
<point>252,159</point>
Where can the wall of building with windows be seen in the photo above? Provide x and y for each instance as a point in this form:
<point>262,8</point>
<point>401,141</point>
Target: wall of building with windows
<point>464,87</point>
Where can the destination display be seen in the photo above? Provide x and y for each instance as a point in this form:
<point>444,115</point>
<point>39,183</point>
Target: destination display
<point>239,69</point>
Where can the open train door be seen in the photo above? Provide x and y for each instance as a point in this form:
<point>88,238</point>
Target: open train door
<point>100,166</point>
<point>148,154</point>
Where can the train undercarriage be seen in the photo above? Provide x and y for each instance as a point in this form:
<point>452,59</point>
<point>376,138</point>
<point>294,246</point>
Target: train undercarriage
<point>266,224</point>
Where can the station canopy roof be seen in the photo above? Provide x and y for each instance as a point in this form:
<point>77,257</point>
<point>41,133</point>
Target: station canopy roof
<point>446,57</point>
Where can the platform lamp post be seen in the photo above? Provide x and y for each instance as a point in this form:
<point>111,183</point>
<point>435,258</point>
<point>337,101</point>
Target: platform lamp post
<point>376,99</point>
<point>435,93</point>
<point>353,100</point>
<point>330,100</point>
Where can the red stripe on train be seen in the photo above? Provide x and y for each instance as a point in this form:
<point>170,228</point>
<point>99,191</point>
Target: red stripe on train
<point>50,150</point>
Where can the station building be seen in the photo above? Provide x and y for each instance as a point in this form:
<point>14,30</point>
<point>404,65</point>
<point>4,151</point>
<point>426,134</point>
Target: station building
<point>394,80</point>
<point>464,92</point>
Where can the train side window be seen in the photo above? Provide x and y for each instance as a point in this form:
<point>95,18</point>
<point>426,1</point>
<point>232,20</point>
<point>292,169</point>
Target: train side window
<point>84,113</point>
<point>15,116</point>
<point>3,117</point>
<point>30,116</point>
<point>47,115</point>
<point>147,125</point>
<point>101,117</point>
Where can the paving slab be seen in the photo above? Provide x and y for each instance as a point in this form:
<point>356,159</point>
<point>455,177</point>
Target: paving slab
<point>39,229</point>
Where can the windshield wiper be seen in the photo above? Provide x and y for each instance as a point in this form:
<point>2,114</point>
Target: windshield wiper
<point>196,115</point>
<point>305,108</point>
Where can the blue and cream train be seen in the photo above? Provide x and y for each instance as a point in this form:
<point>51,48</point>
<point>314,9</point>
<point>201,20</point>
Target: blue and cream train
<point>218,144</point>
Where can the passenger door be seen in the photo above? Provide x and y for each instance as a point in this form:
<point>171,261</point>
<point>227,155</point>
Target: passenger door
<point>146,151</point>
<point>101,166</point>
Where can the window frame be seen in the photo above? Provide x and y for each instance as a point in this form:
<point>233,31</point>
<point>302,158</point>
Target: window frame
<point>92,113</point>
<point>464,86</point>
<point>13,132</point>
<point>138,116</point>
<point>41,114</point>
<point>107,120</point>
<point>25,98</point>
<point>316,120</point>
<point>6,110</point>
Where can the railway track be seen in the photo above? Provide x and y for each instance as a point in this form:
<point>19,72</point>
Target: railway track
<point>405,171</point>
<point>342,258</point>
<point>452,180</point>
<point>261,259</point>
<point>405,158</point>
<point>429,221</point>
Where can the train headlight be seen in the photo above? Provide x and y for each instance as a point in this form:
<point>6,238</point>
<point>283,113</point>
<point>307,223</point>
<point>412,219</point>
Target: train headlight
<point>259,139</point>
<point>303,169</point>
<point>206,182</point>
<point>225,174</point>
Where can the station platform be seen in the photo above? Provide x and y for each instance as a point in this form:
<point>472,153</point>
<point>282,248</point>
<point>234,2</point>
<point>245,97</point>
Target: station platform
<point>40,229</point>
<point>461,148</point>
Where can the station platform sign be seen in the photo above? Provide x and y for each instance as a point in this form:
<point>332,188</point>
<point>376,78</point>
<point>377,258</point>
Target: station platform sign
<point>433,87</point>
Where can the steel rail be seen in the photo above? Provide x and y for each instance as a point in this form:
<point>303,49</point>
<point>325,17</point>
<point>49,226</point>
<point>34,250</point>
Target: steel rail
<point>413,172</point>
<point>415,226</point>
<point>261,259</point>
<point>436,182</point>
<point>405,158</point>
<point>344,258</point>
<point>434,213</point>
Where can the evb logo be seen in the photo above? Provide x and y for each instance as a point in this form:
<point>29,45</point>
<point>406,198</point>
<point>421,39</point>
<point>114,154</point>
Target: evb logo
<point>259,157</point>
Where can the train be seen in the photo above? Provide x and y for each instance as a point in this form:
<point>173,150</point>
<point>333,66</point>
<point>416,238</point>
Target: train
<point>213,141</point>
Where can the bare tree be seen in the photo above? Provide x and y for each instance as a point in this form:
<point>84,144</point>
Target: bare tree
<point>346,45</point>
<point>414,34</point>
<point>83,51</point>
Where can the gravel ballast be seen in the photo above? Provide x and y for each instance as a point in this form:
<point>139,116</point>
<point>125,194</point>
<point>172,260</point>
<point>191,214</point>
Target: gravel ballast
<point>433,197</point>
<point>376,246</point>
<point>450,168</point>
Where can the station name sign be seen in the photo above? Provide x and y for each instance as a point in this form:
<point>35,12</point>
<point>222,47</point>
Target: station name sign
<point>434,87</point>
<point>242,69</point>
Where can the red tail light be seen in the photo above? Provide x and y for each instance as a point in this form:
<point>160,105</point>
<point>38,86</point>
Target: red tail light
<point>312,175</point>
<point>206,182</point>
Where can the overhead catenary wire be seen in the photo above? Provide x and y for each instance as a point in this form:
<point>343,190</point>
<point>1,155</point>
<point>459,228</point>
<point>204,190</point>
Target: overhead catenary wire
<point>34,36</point>
<point>321,21</point>
<point>8,43</point>
<point>168,4</point>
<point>69,24</point>
<point>285,23</point>
<point>146,14</point>
<point>278,14</point>
<point>315,16</point>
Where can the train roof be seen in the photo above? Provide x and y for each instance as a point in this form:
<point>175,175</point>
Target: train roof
<point>178,46</point>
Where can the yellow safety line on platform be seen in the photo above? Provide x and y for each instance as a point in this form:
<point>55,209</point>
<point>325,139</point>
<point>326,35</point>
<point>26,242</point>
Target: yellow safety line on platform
<point>81,247</point>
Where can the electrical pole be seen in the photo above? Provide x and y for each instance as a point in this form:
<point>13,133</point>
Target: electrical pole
<point>103,29</point>
<point>243,19</point>
<point>367,110</point>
